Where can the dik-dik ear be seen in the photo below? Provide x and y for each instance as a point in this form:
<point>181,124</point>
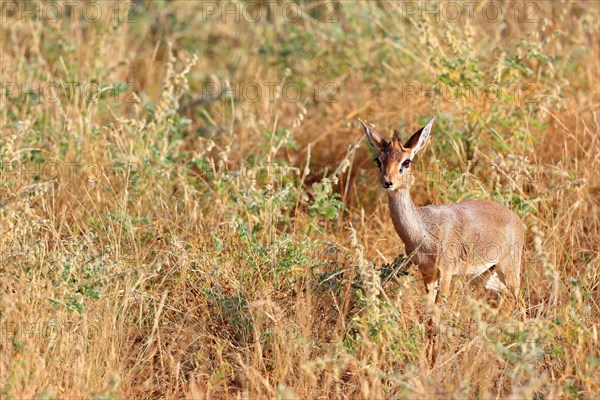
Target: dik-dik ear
<point>376,140</point>
<point>418,140</point>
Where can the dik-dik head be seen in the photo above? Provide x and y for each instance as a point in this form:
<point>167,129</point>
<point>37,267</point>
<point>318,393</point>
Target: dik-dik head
<point>394,158</point>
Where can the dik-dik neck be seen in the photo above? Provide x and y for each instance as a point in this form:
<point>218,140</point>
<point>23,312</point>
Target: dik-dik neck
<point>407,221</point>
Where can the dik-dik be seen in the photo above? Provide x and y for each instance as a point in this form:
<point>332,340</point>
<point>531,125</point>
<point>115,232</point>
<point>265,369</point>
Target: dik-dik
<point>476,237</point>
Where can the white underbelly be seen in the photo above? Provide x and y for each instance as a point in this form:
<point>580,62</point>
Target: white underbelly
<point>493,282</point>
<point>476,269</point>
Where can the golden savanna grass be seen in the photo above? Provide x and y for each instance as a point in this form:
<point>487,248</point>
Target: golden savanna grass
<point>189,209</point>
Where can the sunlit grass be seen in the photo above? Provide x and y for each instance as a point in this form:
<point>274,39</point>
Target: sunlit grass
<point>180,237</point>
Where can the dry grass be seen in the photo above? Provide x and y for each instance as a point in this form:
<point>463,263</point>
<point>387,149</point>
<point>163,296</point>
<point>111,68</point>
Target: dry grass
<point>170,240</point>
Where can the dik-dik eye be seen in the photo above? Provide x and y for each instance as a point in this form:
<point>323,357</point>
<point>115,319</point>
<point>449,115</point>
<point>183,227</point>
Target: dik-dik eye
<point>378,161</point>
<point>405,164</point>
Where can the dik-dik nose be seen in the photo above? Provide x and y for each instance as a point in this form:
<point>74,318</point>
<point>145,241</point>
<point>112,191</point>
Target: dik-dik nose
<point>388,184</point>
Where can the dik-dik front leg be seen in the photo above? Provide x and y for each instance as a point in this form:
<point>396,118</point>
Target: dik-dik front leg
<point>437,284</point>
<point>438,287</point>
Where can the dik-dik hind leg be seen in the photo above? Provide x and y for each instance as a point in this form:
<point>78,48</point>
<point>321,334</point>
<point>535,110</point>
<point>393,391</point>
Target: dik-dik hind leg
<point>444,281</point>
<point>509,273</point>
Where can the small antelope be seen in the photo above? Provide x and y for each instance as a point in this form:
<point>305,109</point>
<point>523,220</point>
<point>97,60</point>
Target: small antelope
<point>475,237</point>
